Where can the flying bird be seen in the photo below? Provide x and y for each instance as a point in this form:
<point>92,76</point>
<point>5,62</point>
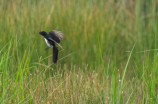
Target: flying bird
<point>54,37</point>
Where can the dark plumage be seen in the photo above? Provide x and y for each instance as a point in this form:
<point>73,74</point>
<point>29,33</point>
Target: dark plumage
<point>51,39</point>
<point>55,54</point>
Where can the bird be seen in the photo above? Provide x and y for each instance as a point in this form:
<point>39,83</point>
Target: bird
<point>54,37</point>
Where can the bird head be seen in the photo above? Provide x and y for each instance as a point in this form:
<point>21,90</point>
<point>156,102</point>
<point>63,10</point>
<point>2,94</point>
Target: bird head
<point>43,33</point>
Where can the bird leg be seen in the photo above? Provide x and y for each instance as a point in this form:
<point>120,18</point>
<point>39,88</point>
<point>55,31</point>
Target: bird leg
<point>47,48</point>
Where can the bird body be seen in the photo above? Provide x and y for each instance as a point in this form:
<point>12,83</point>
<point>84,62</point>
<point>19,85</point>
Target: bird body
<point>51,39</point>
<point>47,42</point>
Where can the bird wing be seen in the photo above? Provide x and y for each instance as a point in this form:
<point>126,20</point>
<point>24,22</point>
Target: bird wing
<point>56,43</point>
<point>57,35</point>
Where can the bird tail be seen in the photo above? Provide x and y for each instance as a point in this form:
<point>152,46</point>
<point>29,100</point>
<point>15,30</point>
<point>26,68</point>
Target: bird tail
<point>55,54</point>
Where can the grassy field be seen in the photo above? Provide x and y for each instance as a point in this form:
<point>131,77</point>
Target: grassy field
<point>109,56</point>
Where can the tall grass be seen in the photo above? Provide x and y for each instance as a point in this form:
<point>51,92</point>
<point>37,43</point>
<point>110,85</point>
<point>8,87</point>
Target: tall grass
<point>94,66</point>
<point>118,26</point>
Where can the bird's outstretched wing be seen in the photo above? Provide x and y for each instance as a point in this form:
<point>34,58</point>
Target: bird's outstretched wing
<point>56,43</point>
<point>56,35</point>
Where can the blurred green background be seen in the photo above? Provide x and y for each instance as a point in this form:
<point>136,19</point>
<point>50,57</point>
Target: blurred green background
<point>93,29</point>
<point>95,66</point>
